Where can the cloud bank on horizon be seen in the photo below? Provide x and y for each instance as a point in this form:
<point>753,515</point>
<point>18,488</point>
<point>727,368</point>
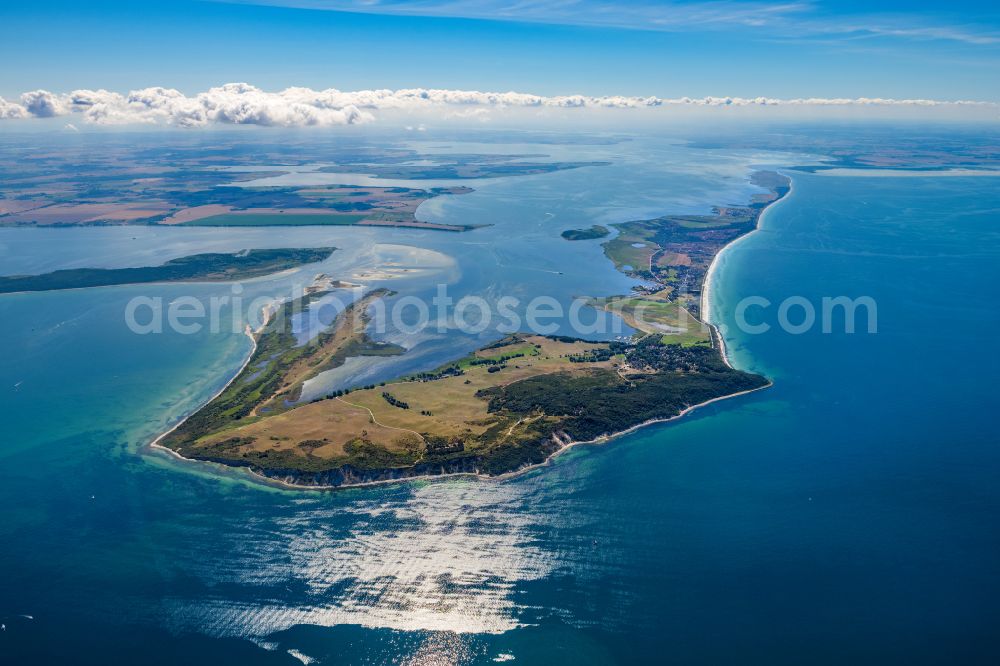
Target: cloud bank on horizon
<point>244,104</point>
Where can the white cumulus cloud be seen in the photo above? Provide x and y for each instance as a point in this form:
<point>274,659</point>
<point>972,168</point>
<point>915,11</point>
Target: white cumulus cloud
<point>244,104</point>
<point>43,104</point>
<point>12,110</point>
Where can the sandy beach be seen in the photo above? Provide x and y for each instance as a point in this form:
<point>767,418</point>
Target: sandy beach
<point>706,289</point>
<point>267,312</point>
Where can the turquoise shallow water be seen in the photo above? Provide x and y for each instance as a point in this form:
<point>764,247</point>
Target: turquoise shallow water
<point>848,513</point>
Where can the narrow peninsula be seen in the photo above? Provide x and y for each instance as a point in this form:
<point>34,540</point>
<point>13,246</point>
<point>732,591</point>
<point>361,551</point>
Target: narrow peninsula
<point>209,267</point>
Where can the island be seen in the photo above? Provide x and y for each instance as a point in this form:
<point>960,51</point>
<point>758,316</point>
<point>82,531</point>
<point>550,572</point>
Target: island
<point>208,267</point>
<point>507,407</point>
<point>595,231</point>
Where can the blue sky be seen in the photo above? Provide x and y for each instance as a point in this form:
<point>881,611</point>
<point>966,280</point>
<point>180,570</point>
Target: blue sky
<point>882,48</point>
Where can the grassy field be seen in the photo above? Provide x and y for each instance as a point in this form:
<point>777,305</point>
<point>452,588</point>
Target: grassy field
<point>442,410</point>
<point>275,220</point>
<point>334,428</point>
<point>707,221</point>
<point>624,253</point>
<point>668,259</point>
<point>656,315</point>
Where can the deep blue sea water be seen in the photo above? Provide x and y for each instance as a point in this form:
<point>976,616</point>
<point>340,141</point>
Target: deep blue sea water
<point>849,513</point>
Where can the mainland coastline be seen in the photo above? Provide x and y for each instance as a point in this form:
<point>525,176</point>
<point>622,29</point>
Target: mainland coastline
<point>448,459</point>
